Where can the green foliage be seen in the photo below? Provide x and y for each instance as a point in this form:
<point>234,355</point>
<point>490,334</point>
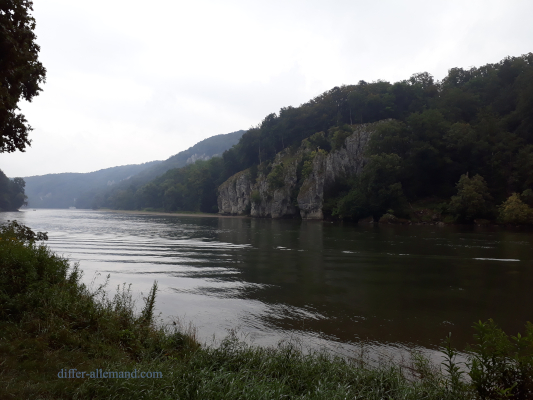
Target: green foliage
<point>12,195</point>
<point>376,190</point>
<point>192,188</point>
<point>514,211</point>
<point>317,141</point>
<point>20,72</point>
<point>339,135</point>
<point>473,199</point>
<point>454,382</point>
<point>12,230</point>
<point>276,178</point>
<point>501,366</point>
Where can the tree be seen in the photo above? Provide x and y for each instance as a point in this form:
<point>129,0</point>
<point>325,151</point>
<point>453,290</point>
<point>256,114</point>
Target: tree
<point>514,211</point>
<point>12,195</point>
<point>473,199</point>
<point>376,190</point>
<point>20,72</point>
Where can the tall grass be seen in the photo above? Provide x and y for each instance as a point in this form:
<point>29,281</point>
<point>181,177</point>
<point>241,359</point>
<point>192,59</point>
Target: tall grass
<point>50,321</point>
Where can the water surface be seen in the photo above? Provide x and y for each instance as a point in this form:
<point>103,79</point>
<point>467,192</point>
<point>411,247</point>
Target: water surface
<point>333,285</point>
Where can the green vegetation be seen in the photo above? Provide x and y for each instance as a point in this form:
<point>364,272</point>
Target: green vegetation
<point>12,195</point>
<point>376,190</point>
<point>20,72</point>
<point>514,211</point>
<point>49,321</point>
<point>472,200</point>
<point>475,122</point>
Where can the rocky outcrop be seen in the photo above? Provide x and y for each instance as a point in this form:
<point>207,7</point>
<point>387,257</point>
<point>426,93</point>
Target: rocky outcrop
<point>239,195</point>
<point>277,203</point>
<point>234,194</point>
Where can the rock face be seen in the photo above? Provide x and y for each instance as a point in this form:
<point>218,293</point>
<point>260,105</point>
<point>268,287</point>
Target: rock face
<point>277,203</point>
<point>239,195</point>
<point>234,194</point>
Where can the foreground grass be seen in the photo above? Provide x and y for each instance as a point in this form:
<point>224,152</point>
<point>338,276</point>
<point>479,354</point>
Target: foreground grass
<point>49,322</point>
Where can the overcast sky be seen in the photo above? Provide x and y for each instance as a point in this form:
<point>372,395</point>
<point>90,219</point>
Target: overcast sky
<point>130,81</point>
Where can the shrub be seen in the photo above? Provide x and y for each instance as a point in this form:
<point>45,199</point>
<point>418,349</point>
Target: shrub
<point>317,141</point>
<point>339,137</point>
<point>472,200</point>
<point>501,367</point>
<point>514,211</point>
<point>14,230</point>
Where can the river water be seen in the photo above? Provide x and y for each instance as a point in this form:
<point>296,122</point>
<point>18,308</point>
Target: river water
<point>328,285</point>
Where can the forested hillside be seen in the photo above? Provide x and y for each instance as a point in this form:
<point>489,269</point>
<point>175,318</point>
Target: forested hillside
<point>120,195</point>
<point>63,190</point>
<point>467,139</point>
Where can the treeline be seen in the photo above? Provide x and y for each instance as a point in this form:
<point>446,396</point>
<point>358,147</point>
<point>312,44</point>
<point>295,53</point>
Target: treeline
<point>475,122</point>
<point>12,195</point>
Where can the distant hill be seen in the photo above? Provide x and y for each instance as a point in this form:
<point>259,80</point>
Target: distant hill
<point>79,189</point>
<point>204,150</point>
<point>62,190</point>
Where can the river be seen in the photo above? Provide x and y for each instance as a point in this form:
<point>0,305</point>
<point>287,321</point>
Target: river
<point>326,285</point>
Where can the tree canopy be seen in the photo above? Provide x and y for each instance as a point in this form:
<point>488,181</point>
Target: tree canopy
<point>21,73</point>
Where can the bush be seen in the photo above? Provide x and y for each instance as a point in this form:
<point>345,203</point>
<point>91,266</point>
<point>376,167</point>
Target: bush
<point>472,200</point>
<point>514,211</point>
<point>339,137</point>
<point>318,141</point>
<point>501,367</point>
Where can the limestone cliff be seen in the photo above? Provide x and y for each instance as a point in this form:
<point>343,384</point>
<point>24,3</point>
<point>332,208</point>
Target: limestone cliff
<point>234,194</point>
<point>276,202</point>
<point>295,183</point>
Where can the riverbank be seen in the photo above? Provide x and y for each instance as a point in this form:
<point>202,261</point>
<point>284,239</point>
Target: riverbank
<point>53,328</point>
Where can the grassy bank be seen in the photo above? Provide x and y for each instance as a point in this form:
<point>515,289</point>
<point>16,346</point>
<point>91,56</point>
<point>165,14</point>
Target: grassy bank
<point>51,323</point>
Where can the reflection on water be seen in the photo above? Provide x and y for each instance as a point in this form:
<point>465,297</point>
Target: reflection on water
<point>329,284</point>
